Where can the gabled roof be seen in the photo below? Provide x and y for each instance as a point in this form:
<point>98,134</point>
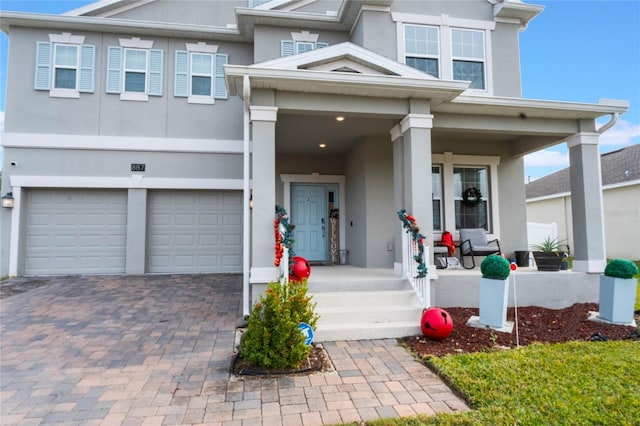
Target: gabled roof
<point>344,69</point>
<point>617,167</point>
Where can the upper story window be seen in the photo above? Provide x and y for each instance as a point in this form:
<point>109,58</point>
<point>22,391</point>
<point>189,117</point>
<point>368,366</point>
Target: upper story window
<point>468,56</point>
<point>65,66</point>
<point>422,48</point>
<point>134,70</point>
<point>300,42</point>
<point>254,3</point>
<point>200,74</point>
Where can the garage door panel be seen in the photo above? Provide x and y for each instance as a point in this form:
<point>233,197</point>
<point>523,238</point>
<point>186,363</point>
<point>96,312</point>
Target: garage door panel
<point>75,231</point>
<point>190,237</point>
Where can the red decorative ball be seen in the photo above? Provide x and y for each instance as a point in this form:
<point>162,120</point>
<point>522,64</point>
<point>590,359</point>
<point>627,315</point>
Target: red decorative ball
<point>301,268</point>
<point>436,323</point>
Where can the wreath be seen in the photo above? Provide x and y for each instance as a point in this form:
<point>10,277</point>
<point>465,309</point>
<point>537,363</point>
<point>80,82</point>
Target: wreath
<point>471,197</point>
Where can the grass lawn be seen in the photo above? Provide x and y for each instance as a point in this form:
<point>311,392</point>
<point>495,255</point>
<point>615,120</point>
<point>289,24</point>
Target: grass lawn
<point>571,383</point>
<point>575,383</point>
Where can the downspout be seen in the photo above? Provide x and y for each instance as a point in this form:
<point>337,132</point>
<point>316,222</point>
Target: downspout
<point>246,229</point>
<point>610,124</point>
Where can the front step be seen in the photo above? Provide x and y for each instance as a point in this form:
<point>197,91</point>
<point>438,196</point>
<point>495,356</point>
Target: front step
<point>364,308</point>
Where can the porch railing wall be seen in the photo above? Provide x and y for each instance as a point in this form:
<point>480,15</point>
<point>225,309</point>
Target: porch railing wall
<point>421,285</point>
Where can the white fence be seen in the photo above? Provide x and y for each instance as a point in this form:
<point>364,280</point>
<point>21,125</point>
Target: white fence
<point>421,286</point>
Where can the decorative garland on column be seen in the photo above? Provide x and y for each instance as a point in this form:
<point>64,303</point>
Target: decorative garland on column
<point>410,225</point>
<point>283,239</point>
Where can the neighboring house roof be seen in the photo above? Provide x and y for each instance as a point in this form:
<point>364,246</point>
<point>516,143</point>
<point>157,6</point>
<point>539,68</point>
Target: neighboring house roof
<point>617,167</point>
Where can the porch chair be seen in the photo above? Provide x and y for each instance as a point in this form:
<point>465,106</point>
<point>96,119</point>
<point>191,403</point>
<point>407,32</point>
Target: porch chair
<point>473,242</point>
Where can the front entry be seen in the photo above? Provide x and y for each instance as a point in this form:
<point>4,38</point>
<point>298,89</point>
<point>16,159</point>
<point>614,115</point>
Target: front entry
<point>309,214</point>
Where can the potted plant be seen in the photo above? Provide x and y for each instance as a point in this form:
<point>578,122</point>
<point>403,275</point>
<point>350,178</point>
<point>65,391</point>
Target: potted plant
<point>618,291</point>
<point>549,254</point>
<point>494,291</point>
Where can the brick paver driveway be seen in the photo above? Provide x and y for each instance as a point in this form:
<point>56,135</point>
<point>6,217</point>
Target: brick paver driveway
<point>148,350</point>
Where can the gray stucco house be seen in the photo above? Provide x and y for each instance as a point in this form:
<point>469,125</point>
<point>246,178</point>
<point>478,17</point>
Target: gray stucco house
<point>138,132</point>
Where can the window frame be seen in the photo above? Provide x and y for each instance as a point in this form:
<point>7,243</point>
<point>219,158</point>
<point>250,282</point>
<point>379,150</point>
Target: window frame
<point>437,197</point>
<point>470,59</point>
<point>210,75</point>
<point>436,57</point>
<point>485,191</point>
<point>75,67</point>
<point>448,161</point>
<point>126,70</point>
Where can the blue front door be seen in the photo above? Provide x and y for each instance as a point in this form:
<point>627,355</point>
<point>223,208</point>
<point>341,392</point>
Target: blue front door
<point>309,215</point>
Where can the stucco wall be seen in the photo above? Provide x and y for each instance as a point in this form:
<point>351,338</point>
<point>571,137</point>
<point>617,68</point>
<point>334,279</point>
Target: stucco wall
<point>356,206</point>
<point>100,113</point>
<point>621,219</point>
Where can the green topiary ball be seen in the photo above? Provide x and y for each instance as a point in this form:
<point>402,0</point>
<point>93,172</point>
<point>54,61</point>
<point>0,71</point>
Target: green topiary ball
<point>621,268</point>
<point>495,267</point>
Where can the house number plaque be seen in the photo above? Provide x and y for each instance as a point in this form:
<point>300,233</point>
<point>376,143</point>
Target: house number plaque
<point>138,167</point>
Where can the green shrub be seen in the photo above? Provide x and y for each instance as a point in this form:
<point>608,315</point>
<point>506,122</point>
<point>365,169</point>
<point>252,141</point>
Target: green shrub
<point>272,339</point>
<point>495,267</point>
<point>621,268</point>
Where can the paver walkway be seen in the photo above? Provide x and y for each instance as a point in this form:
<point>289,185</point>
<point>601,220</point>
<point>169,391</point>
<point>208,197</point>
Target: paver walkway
<point>156,350</point>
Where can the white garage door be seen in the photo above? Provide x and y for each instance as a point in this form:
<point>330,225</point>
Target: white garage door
<point>75,232</point>
<point>195,231</point>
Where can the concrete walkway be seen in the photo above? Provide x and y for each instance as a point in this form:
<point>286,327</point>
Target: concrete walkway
<point>156,350</point>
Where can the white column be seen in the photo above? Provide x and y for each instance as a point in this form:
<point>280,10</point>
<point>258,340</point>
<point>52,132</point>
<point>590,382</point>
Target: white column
<point>398,192</point>
<point>136,231</point>
<point>263,160</point>
<point>586,203</point>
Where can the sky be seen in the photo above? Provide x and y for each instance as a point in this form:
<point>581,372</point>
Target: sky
<point>574,51</point>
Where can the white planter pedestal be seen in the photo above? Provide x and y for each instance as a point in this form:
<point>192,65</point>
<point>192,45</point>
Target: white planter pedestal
<point>493,302</point>
<point>617,299</point>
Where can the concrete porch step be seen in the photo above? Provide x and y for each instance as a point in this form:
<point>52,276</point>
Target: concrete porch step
<point>369,314</point>
<point>364,298</point>
<point>366,330</point>
<point>357,284</point>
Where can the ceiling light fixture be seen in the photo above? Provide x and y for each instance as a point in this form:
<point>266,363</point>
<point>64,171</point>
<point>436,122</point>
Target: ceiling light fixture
<point>322,145</point>
<point>339,118</point>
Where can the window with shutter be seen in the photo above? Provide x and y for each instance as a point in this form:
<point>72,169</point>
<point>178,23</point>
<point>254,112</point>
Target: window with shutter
<point>199,76</point>
<point>135,73</point>
<point>291,47</point>
<point>65,69</point>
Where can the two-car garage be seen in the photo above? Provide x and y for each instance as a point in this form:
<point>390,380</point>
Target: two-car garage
<point>70,231</point>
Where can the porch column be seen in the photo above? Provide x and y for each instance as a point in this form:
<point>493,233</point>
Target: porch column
<point>416,134</point>
<point>263,166</point>
<point>398,191</point>
<point>586,203</point>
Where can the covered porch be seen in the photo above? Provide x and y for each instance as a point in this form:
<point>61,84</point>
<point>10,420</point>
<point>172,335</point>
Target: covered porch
<point>399,124</point>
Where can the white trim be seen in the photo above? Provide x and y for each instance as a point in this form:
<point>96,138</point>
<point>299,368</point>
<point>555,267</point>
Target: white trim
<point>66,38</point>
<point>263,274</point>
<point>409,18</point>
<point>64,93</point>
<point>582,138</point>
<point>416,121</point>
<point>201,47</point>
<point>288,179</point>
<point>201,99</point>
<point>568,194</point>
<point>135,43</point>
<point>134,96</point>
<point>396,132</point>
<point>305,36</point>
<point>589,266</point>
<point>14,242</point>
<point>331,66</point>
<point>120,143</point>
<point>133,181</point>
<point>263,113</point>
<point>549,197</point>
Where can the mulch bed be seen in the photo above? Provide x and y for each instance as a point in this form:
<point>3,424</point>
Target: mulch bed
<point>534,325</point>
<point>317,361</point>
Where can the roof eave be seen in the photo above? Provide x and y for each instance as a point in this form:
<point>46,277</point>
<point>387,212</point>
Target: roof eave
<point>331,82</point>
<point>112,25</point>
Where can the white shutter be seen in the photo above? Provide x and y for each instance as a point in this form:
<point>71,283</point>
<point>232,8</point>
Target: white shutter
<point>87,68</point>
<point>43,66</point>
<point>220,91</point>
<point>181,84</point>
<point>155,72</point>
<point>287,48</point>
<point>114,69</point>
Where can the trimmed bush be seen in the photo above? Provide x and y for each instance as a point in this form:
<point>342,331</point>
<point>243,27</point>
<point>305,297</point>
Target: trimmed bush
<point>621,268</point>
<point>273,339</point>
<point>495,267</point>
